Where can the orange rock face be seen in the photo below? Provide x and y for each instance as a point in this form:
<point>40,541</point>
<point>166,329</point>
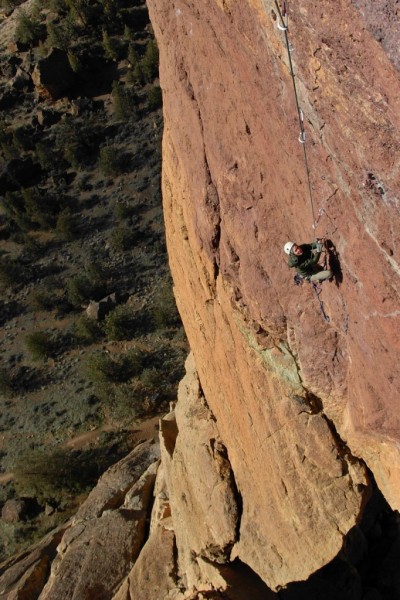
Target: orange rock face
<point>295,398</point>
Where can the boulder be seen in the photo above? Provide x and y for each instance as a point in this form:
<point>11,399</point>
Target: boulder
<point>205,505</point>
<point>98,310</point>
<point>17,173</point>
<point>91,555</point>
<point>107,533</point>
<point>21,80</point>
<point>46,118</point>
<point>14,510</point>
<point>24,575</point>
<point>53,75</point>
<point>154,575</point>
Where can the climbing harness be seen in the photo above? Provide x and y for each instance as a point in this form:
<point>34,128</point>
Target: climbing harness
<point>283,25</point>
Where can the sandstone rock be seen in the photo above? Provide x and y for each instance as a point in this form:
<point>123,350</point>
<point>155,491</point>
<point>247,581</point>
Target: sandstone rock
<point>234,191</point>
<point>154,574</point>
<point>21,80</point>
<point>382,20</point>
<point>14,510</point>
<point>92,554</point>
<point>98,310</point>
<point>46,118</point>
<point>107,533</point>
<point>23,576</point>
<point>53,75</point>
<point>113,486</point>
<point>201,487</point>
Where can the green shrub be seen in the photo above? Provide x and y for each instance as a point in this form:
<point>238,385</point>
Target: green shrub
<point>80,10</point>
<point>149,62</point>
<point>58,6</point>
<point>66,225</point>
<point>79,290</point>
<point>133,56</point>
<point>42,300</point>
<point>8,5</point>
<point>110,46</point>
<point>42,474</point>
<point>39,207</point>
<point>46,156</point>
<point>122,239</point>
<point>50,474</point>
<point>6,383</point>
<point>120,323</point>
<point>28,29</point>
<point>110,9</point>
<point>110,161</point>
<point>97,271</point>
<point>12,273</point>
<point>151,378</point>
<point>154,98</point>
<point>126,400</point>
<point>78,140</point>
<point>74,62</point>
<point>40,345</point>
<point>123,101</point>
<point>61,34</point>
<point>164,312</point>
<point>8,149</point>
<point>23,137</point>
<point>87,331</point>
<point>123,211</point>
<point>138,75</point>
<point>104,368</point>
<point>129,34</point>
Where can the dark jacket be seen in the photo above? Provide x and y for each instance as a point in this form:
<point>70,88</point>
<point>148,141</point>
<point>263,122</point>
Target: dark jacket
<point>306,262</point>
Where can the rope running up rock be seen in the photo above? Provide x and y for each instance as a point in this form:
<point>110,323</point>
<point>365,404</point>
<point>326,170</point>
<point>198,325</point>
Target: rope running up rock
<point>283,26</point>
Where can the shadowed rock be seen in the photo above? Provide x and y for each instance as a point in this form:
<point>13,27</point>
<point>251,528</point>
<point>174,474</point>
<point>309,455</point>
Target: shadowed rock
<point>18,173</point>
<point>53,75</point>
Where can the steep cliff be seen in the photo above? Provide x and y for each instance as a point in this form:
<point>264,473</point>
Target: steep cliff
<point>284,419</point>
<point>299,405</point>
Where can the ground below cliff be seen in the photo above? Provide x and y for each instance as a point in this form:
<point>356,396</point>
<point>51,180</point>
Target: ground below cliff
<point>80,220</point>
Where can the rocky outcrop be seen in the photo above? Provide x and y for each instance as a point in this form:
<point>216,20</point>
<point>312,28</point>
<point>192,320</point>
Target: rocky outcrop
<point>91,555</point>
<point>97,311</point>
<point>201,486</point>
<point>14,510</point>
<point>299,403</point>
<point>53,75</point>
<point>24,575</point>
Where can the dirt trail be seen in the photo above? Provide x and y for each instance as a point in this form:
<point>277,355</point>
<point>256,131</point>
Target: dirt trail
<point>143,431</point>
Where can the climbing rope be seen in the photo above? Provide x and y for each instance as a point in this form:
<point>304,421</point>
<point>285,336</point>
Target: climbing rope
<point>283,25</point>
<point>317,291</point>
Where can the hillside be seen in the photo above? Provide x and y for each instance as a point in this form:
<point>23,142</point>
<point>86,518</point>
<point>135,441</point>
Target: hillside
<point>276,473</point>
<point>80,220</point>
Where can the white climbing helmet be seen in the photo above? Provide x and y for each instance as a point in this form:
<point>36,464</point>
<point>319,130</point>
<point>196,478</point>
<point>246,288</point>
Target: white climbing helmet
<point>288,247</point>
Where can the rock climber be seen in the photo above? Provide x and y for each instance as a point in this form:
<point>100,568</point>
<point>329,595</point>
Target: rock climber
<point>304,258</point>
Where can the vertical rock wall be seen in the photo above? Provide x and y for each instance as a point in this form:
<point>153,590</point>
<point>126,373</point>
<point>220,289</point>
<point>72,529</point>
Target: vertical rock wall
<point>295,399</point>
